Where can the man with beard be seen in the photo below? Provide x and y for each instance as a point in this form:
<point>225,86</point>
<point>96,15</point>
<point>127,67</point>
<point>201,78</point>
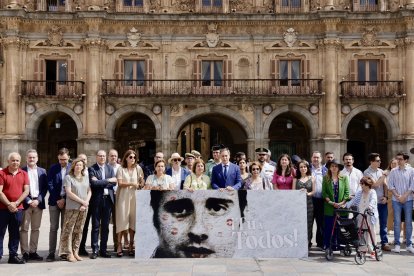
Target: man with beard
<point>197,225</point>
<point>267,169</point>
<point>354,175</point>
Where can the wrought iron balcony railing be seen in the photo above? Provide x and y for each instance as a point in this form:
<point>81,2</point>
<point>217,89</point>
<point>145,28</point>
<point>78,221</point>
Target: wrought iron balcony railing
<point>53,89</point>
<point>239,87</point>
<point>372,89</point>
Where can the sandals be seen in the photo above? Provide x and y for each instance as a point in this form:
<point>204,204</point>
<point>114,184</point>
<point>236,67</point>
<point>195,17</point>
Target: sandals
<point>131,251</point>
<point>119,252</point>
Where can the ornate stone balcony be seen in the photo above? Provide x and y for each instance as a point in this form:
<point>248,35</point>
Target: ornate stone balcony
<point>372,89</point>
<point>235,87</point>
<point>53,89</point>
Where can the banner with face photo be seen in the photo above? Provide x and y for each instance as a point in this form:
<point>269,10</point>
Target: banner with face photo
<point>231,224</point>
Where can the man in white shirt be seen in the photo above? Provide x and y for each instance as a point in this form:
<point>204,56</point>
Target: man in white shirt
<point>354,175</point>
<point>177,172</point>
<point>34,204</point>
<point>262,154</point>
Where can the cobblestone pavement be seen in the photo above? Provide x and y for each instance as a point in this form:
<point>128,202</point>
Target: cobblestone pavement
<point>392,264</point>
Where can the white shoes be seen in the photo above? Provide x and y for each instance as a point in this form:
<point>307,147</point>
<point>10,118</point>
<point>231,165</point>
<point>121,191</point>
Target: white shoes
<point>396,249</point>
<point>410,249</point>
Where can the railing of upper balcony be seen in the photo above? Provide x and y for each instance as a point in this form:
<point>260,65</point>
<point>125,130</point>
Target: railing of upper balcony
<point>132,8</point>
<point>211,9</point>
<point>246,87</point>
<point>53,89</point>
<point>372,89</point>
<point>367,7</point>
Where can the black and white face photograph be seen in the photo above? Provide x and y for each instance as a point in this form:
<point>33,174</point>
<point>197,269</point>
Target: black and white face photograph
<point>220,224</point>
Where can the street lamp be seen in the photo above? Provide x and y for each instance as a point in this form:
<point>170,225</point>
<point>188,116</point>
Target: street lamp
<point>289,124</point>
<point>57,123</point>
<point>134,124</point>
<point>366,124</point>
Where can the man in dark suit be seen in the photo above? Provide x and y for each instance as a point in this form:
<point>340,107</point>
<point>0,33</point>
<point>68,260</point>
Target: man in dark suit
<point>226,176</point>
<point>55,176</point>
<point>102,180</point>
<point>33,205</point>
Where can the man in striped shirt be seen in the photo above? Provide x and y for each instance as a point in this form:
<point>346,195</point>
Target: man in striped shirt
<point>401,184</point>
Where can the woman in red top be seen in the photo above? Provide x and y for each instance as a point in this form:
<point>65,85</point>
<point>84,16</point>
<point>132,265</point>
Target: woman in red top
<point>284,173</point>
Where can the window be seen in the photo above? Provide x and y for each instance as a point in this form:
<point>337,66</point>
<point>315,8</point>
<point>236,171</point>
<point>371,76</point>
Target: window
<point>56,5</point>
<point>289,71</point>
<point>134,3</point>
<point>56,74</point>
<point>212,3</point>
<point>134,72</point>
<point>292,3</point>
<point>367,5</point>
<point>368,71</point>
<point>212,73</point>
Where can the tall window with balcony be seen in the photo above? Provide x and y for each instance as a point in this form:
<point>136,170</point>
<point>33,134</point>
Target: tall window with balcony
<point>213,76</point>
<point>212,6</point>
<point>291,76</point>
<point>369,77</point>
<point>212,73</point>
<point>133,5</point>
<point>290,6</point>
<point>53,77</point>
<point>133,76</point>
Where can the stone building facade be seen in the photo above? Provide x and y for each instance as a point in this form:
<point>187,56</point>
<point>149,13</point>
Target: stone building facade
<point>175,75</point>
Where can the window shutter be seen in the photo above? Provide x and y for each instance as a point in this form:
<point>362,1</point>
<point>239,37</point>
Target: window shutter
<point>119,69</point>
<point>148,72</point>
<point>305,69</point>
<point>197,72</point>
<point>274,71</point>
<point>39,72</point>
<point>228,72</point>
<point>71,64</point>
<point>353,70</point>
<point>384,69</point>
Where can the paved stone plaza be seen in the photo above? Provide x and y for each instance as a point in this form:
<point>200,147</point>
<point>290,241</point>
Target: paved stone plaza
<point>392,264</point>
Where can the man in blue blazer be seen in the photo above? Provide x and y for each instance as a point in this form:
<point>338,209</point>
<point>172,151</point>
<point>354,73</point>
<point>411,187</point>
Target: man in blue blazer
<point>33,205</point>
<point>102,181</point>
<point>177,172</point>
<point>226,176</point>
<point>57,173</point>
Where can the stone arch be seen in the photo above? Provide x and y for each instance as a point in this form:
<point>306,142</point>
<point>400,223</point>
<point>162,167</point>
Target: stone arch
<point>36,118</point>
<point>392,126</point>
<point>112,121</point>
<point>179,124</point>
<point>297,110</point>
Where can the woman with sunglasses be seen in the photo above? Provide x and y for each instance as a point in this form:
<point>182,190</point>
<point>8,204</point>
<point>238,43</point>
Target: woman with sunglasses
<point>256,181</point>
<point>197,180</point>
<point>130,178</point>
<point>304,181</point>
<point>366,198</point>
<point>159,180</point>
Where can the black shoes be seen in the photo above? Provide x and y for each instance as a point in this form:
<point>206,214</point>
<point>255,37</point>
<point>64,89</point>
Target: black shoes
<point>83,252</point>
<point>50,258</point>
<point>16,260</point>
<point>35,257</point>
<point>94,255</point>
<point>105,255</point>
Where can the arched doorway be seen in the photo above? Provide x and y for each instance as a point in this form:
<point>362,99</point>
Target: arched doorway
<point>56,130</point>
<point>136,131</point>
<point>289,134</point>
<point>367,133</point>
<point>204,131</point>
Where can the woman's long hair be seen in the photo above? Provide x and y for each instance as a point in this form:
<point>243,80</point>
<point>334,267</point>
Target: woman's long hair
<point>279,169</point>
<point>72,168</point>
<point>124,162</point>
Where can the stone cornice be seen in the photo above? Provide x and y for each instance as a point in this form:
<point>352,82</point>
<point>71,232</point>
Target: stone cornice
<point>329,43</point>
<point>94,43</point>
<point>14,41</point>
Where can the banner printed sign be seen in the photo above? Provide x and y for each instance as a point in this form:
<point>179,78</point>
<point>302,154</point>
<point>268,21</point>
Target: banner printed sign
<point>205,224</point>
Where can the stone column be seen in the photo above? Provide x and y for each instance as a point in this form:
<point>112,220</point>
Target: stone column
<point>165,144</point>
<point>332,113</point>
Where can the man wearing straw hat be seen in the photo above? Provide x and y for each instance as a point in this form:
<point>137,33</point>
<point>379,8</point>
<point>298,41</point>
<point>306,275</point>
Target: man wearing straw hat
<point>177,172</point>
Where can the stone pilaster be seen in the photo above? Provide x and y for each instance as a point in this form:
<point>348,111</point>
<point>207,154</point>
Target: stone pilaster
<point>409,86</point>
<point>165,144</point>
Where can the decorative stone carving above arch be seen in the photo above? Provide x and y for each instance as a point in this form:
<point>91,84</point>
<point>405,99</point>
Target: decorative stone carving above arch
<point>369,39</point>
<point>55,39</point>
<point>290,41</point>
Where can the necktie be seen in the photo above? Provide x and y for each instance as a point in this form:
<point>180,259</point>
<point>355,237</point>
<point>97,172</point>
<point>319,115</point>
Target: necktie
<point>225,172</point>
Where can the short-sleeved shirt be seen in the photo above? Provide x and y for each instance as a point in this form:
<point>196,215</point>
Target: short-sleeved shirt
<point>13,185</point>
<point>162,182</point>
<point>376,174</point>
<point>79,187</point>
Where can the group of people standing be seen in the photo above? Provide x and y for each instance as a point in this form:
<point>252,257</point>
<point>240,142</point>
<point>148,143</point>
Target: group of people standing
<point>106,191</point>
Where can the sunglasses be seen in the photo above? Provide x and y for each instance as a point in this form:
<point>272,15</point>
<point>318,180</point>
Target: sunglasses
<point>255,169</point>
<point>131,157</point>
<point>176,160</point>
